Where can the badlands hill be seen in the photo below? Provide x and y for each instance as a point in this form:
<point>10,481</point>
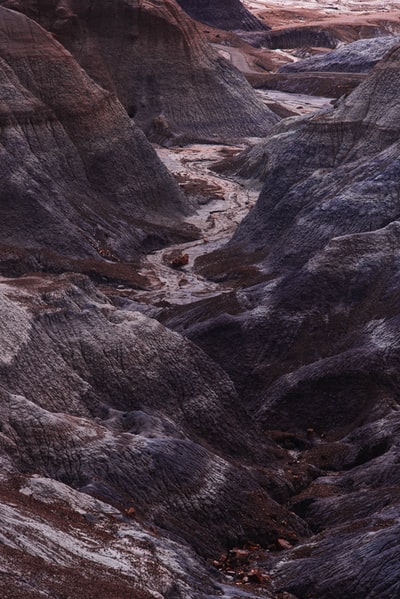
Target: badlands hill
<point>78,176</point>
<point>136,416</point>
<point>227,428</point>
<point>224,14</point>
<point>313,345</point>
<point>158,63</point>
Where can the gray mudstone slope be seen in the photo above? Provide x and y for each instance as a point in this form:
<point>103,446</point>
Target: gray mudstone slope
<point>56,540</point>
<point>313,347</point>
<point>113,404</point>
<point>327,214</point>
<point>356,57</point>
<point>229,15</point>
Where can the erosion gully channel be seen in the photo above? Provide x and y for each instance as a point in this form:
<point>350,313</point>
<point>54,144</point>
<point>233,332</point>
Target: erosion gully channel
<point>223,204</point>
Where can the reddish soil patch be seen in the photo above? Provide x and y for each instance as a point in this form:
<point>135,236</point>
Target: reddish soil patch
<point>346,24</point>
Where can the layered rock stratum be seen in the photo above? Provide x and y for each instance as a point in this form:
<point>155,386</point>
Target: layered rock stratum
<point>322,23</point>
<point>78,176</point>
<point>356,57</point>
<point>224,14</point>
<point>228,429</point>
<point>158,63</point>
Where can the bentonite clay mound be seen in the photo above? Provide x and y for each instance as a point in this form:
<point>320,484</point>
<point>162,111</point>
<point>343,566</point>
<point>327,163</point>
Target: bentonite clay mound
<point>78,176</point>
<point>330,184</point>
<point>314,348</point>
<point>154,57</point>
<point>137,416</point>
<point>228,15</point>
<point>356,57</point>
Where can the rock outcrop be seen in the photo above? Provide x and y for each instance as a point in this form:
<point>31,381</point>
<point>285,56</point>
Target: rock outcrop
<point>79,179</point>
<point>298,37</point>
<point>156,60</point>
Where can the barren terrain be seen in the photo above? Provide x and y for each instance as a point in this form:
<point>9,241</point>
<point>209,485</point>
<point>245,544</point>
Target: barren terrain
<point>199,299</point>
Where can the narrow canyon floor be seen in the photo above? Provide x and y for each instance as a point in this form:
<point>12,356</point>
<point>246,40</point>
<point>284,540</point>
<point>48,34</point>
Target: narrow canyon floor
<point>226,202</point>
<point>220,203</point>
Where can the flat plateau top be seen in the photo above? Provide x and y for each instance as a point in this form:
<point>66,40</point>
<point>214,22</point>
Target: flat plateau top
<point>342,5</point>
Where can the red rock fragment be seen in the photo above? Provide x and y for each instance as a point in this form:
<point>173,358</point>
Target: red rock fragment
<point>284,544</point>
<point>254,547</point>
<point>179,261</point>
<point>255,575</point>
<point>238,557</point>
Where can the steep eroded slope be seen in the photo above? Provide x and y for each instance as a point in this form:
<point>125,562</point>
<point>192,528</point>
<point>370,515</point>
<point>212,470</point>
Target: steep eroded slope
<point>78,177</point>
<point>154,57</point>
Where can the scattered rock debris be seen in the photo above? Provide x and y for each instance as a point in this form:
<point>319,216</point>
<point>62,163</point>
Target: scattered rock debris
<point>130,512</point>
<point>240,565</point>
